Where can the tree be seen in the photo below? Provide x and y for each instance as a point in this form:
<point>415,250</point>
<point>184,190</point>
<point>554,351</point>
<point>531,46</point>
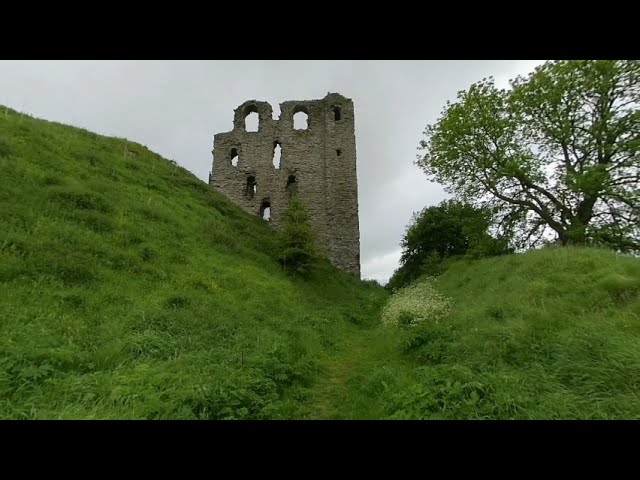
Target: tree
<point>297,241</point>
<point>439,232</point>
<point>557,153</point>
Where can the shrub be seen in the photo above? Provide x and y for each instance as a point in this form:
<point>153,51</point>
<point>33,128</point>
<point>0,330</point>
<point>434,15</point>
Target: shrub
<point>5,148</point>
<point>416,303</point>
<point>297,250</point>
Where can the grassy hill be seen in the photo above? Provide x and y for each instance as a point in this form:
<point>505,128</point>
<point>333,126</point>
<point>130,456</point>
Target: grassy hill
<point>548,334</point>
<point>130,289</point>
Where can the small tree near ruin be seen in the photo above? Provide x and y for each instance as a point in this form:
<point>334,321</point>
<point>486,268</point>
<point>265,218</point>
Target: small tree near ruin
<point>297,241</point>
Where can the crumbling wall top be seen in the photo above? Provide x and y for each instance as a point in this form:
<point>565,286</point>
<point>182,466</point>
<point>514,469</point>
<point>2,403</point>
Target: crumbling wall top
<point>263,109</point>
<point>309,150</point>
<point>336,97</point>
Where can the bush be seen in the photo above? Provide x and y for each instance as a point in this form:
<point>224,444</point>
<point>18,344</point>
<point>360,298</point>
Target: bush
<point>297,250</point>
<point>5,148</point>
<point>416,303</point>
<point>437,233</point>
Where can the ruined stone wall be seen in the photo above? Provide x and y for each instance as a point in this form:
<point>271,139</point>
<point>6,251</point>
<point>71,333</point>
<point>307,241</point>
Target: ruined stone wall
<point>321,160</point>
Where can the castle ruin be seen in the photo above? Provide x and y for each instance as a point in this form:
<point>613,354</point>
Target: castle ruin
<point>258,170</point>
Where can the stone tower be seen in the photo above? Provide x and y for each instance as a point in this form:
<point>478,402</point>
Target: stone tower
<point>318,161</point>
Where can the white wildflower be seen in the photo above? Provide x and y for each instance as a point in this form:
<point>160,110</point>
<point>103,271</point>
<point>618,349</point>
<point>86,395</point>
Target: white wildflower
<point>416,303</point>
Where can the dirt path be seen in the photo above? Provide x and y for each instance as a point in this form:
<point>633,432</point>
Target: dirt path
<point>332,389</point>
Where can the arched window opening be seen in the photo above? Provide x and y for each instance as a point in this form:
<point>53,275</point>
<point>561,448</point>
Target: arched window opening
<point>252,122</point>
<point>265,210</point>
<point>252,186</point>
<point>233,157</point>
<point>292,185</point>
<point>337,114</point>
<point>300,121</point>
<point>277,152</point>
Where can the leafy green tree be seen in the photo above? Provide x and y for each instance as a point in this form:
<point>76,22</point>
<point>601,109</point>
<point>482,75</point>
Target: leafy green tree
<point>297,241</point>
<point>436,233</point>
<point>557,153</point>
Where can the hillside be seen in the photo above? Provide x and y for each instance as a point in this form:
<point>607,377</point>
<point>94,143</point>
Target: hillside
<point>130,289</point>
<point>549,334</point>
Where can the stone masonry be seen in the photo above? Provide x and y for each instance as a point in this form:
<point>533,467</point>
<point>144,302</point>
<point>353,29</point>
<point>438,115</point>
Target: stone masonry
<point>319,162</point>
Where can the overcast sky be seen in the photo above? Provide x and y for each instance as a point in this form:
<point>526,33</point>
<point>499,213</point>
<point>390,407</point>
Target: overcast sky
<point>175,108</point>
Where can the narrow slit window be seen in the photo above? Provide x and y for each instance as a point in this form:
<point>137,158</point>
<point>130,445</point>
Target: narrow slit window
<point>277,152</point>
<point>233,157</point>
<point>265,210</point>
<point>338,152</point>
<point>252,186</point>
<point>292,185</point>
<point>337,114</point>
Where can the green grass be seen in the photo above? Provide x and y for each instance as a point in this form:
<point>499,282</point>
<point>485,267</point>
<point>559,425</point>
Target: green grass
<point>550,334</point>
<point>130,289</point>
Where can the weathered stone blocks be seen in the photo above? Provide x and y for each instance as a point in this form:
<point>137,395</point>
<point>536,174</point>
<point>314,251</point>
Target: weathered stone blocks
<point>318,162</point>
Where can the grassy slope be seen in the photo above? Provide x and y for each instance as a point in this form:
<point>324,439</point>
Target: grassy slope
<point>130,289</point>
<point>547,334</point>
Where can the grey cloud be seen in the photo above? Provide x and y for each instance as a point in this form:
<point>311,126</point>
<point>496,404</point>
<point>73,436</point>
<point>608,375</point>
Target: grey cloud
<point>175,108</point>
